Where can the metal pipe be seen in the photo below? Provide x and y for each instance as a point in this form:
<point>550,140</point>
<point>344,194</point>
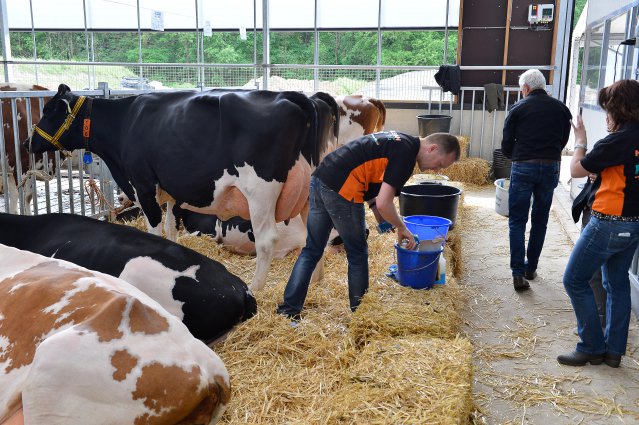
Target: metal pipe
<point>266,39</point>
<point>446,34</point>
<point>378,75</point>
<point>33,38</point>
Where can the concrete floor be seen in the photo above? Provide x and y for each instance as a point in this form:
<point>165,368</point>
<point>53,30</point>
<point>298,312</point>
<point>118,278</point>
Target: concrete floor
<point>517,336</point>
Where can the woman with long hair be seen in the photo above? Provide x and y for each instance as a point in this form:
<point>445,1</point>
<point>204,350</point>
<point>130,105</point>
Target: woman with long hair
<point>612,234</point>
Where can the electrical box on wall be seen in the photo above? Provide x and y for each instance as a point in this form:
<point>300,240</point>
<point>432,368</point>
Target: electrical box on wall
<point>541,13</point>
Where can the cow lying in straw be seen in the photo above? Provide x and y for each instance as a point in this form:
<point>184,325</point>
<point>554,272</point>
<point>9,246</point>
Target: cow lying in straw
<point>80,347</point>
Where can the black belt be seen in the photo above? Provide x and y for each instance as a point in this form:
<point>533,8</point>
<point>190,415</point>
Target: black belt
<point>537,161</point>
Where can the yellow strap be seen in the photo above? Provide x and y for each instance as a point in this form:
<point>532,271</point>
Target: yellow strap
<point>64,127</point>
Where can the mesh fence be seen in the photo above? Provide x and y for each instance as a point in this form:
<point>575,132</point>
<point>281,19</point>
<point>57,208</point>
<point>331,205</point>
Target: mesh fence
<point>386,84</point>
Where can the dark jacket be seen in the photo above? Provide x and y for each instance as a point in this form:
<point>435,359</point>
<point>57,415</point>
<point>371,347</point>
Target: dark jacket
<point>537,127</point>
<point>449,78</point>
<point>585,198</point>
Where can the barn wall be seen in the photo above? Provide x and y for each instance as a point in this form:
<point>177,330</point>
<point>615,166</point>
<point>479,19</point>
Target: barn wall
<point>491,36</point>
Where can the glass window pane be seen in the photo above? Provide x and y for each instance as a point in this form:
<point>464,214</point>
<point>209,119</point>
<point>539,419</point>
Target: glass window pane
<point>424,14</point>
<point>291,13</point>
<point>348,48</point>
<point>231,15</point>
<point>592,68</point>
<point>615,63</point>
<point>228,47</point>
<point>292,47</point>
<point>114,46</point>
<point>21,44</point>
<point>420,48</point>
<point>61,45</point>
<point>347,13</point>
<point>169,47</point>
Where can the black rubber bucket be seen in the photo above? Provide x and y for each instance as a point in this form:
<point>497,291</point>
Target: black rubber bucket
<point>439,200</point>
<point>429,124</point>
<point>501,165</point>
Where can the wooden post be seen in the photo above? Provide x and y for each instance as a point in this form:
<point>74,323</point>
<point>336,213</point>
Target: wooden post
<point>506,40</point>
<point>554,41</point>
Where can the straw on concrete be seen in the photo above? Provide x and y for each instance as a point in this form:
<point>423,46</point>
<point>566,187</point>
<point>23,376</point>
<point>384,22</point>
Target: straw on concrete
<point>534,389</point>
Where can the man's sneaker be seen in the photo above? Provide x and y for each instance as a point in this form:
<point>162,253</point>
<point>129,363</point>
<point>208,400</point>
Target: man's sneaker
<point>530,274</point>
<point>520,283</point>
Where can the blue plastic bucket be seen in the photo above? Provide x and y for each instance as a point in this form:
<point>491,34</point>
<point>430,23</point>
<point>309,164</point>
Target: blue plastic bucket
<point>416,269</point>
<point>428,227</point>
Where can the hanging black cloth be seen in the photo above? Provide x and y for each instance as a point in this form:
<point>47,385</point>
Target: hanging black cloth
<point>449,78</point>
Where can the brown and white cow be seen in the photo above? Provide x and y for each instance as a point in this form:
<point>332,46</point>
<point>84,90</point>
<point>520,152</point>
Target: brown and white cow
<point>10,145</point>
<point>359,115</point>
<point>80,347</point>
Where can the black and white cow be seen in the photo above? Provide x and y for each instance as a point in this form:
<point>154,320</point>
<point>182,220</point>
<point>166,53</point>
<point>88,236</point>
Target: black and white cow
<point>237,234</point>
<point>223,152</point>
<point>360,115</point>
<point>196,289</point>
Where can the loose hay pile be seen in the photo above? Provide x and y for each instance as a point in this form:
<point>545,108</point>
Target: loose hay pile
<point>468,170</point>
<point>333,367</point>
<point>464,146</point>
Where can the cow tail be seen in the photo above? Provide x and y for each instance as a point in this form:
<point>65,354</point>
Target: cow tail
<point>310,147</point>
<point>330,101</point>
<point>382,112</point>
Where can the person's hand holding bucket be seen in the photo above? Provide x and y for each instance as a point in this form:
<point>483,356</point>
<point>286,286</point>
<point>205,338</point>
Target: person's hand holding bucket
<point>404,233</point>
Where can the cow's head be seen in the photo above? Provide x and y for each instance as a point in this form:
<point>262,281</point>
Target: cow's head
<point>58,117</point>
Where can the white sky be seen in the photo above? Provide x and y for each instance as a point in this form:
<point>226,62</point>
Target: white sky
<point>230,14</point>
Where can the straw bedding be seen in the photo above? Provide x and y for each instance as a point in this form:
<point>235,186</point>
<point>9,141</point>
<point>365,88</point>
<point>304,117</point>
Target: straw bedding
<point>397,359</point>
<point>406,380</point>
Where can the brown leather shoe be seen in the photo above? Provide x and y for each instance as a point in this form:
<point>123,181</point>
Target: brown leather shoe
<point>520,283</point>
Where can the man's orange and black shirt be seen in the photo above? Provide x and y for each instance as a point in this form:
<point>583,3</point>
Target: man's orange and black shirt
<point>616,159</point>
<point>357,169</point>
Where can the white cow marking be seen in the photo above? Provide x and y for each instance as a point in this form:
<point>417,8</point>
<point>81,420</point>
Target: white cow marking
<point>157,281</point>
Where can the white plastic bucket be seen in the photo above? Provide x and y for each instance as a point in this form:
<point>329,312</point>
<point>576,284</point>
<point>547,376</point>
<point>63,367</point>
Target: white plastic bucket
<point>501,196</point>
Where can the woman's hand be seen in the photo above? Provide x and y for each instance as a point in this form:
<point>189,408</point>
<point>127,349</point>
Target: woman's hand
<point>579,129</point>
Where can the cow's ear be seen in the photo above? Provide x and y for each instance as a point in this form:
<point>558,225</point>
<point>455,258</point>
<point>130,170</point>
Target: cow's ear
<point>63,89</point>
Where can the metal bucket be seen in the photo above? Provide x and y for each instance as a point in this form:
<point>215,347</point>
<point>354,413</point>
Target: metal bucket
<point>429,124</point>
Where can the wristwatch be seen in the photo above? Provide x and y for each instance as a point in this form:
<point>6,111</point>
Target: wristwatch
<point>582,146</point>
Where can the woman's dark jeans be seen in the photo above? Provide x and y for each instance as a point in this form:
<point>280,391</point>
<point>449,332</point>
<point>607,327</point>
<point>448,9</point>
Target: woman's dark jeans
<point>609,245</point>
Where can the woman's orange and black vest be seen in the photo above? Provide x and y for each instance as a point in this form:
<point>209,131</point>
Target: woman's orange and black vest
<point>616,159</point>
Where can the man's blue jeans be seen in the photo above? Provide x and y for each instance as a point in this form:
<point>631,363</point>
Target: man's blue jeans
<point>329,209</point>
<point>609,245</point>
<point>526,180</point>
